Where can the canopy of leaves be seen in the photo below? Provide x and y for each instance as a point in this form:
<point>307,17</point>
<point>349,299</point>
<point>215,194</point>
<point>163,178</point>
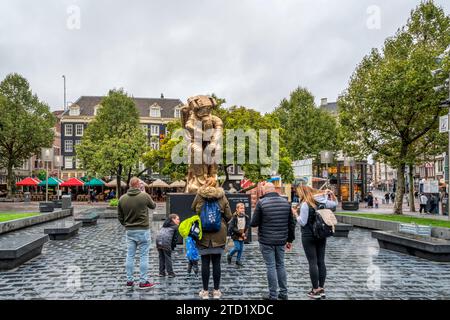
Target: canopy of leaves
<point>307,130</point>
<point>26,124</point>
<point>114,141</point>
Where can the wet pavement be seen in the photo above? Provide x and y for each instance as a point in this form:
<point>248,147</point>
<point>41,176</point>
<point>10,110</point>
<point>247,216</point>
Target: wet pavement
<point>91,266</point>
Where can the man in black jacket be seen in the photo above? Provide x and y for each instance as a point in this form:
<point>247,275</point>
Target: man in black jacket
<point>276,231</point>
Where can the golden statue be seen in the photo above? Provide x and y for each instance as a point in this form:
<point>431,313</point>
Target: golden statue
<point>203,132</point>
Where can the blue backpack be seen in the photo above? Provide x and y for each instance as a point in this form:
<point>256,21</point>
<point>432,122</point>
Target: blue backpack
<point>210,216</point>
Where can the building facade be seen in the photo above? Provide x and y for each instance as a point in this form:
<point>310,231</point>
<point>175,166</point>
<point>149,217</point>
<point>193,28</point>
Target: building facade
<point>154,115</point>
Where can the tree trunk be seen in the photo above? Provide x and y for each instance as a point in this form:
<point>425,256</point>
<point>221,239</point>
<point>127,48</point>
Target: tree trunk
<point>10,181</point>
<point>118,179</point>
<point>129,178</point>
<point>411,188</point>
<point>398,206</point>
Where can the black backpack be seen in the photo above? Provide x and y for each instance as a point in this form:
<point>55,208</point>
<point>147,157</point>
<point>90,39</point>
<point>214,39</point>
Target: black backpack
<point>320,229</point>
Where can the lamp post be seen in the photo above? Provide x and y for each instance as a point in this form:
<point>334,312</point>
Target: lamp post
<point>46,155</point>
<point>58,163</point>
<point>64,77</point>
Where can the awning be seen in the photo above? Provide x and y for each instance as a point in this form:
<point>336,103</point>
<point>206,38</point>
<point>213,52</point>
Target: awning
<point>178,184</point>
<point>158,183</point>
<point>52,182</point>
<point>72,182</point>
<point>94,182</point>
<point>28,182</point>
<point>113,184</point>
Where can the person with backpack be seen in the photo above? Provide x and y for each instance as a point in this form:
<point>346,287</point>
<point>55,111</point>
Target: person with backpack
<point>214,210</point>
<point>190,229</point>
<point>238,228</point>
<point>166,241</point>
<point>313,243</point>
<point>276,232</point>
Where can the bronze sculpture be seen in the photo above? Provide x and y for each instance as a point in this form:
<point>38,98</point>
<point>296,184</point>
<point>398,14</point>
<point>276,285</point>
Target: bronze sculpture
<point>203,133</point>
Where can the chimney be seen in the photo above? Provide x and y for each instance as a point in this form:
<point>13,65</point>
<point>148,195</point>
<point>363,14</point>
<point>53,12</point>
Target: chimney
<point>162,96</point>
<point>323,102</point>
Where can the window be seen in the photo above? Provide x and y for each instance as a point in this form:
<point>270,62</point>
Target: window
<point>230,169</point>
<point>155,112</point>
<point>177,113</point>
<point>144,128</point>
<point>154,130</point>
<point>96,108</point>
<point>154,145</point>
<point>77,142</point>
<point>69,130</point>
<point>79,130</point>
<point>440,166</point>
<point>68,162</point>
<point>240,171</point>
<point>68,146</point>
<point>74,111</point>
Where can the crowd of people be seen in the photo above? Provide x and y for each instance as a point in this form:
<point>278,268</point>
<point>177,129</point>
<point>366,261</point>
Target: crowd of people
<point>206,240</point>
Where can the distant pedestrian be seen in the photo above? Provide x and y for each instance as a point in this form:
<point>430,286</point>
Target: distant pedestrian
<point>376,203</point>
<point>370,200</point>
<point>423,200</point>
<point>276,231</point>
<point>239,226</point>
<point>314,247</point>
<point>386,198</point>
<point>166,241</point>
<point>133,214</point>
<point>212,244</point>
<point>392,197</point>
<point>434,204</point>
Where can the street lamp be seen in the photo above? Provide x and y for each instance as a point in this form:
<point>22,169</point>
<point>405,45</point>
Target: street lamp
<point>58,163</point>
<point>46,155</point>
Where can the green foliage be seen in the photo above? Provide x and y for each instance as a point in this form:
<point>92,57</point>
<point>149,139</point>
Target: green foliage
<point>114,141</point>
<point>114,202</point>
<point>390,107</point>
<point>308,130</point>
<point>42,174</point>
<point>26,124</point>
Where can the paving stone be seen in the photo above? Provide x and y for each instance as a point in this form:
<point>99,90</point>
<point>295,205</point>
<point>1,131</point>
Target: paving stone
<point>92,266</point>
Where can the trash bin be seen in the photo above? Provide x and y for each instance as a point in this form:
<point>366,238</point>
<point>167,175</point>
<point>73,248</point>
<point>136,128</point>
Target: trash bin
<point>26,197</point>
<point>66,202</point>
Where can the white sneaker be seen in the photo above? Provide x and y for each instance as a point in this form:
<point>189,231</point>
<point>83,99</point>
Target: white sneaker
<point>204,294</point>
<point>217,294</point>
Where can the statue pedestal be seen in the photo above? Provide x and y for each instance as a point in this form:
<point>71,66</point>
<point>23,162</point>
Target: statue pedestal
<point>180,203</point>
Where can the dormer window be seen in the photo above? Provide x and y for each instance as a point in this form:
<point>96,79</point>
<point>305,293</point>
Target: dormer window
<point>96,108</point>
<point>74,110</point>
<point>177,113</point>
<point>155,111</point>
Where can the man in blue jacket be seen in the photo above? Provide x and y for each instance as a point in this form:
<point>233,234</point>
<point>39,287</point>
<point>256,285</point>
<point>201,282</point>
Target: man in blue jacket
<point>276,231</point>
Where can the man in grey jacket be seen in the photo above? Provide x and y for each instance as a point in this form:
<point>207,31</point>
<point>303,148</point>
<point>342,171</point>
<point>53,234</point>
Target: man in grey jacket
<point>133,214</point>
<point>276,231</point>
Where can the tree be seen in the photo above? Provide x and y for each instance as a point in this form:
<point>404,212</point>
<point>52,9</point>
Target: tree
<point>114,141</point>
<point>390,107</point>
<point>307,130</point>
<point>26,125</point>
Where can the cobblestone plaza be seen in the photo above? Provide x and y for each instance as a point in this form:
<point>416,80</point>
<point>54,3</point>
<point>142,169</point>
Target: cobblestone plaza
<point>91,266</point>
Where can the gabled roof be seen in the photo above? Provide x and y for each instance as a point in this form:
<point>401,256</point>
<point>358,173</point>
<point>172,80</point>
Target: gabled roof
<point>87,104</point>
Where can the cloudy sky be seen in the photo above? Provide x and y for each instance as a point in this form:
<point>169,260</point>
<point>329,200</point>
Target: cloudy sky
<point>250,52</point>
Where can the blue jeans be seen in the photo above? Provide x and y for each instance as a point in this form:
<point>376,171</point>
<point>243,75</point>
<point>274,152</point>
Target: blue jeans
<point>239,248</point>
<point>276,273</point>
<point>135,239</point>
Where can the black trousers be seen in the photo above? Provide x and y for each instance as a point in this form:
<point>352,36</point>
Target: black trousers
<point>206,261</point>
<point>315,253</point>
<point>423,207</point>
<point>165,261</point>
